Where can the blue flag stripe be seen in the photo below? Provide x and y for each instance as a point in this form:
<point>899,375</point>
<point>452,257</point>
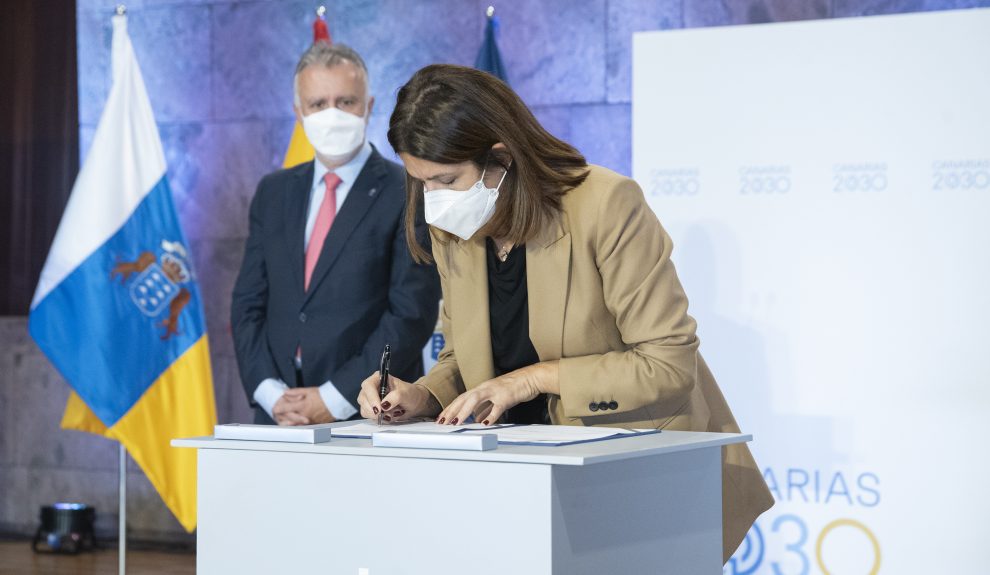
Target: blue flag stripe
<point>104,335</point>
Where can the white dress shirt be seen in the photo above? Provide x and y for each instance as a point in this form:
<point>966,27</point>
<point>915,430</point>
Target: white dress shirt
<point>271,390</point>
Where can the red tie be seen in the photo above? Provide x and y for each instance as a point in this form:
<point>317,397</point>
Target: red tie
<point>324,219</point>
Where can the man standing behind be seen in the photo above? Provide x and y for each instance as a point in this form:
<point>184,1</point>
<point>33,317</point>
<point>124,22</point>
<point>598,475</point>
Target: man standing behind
<point>327,279</point>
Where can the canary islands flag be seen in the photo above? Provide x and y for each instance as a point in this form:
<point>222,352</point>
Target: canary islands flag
<point>117,309</point>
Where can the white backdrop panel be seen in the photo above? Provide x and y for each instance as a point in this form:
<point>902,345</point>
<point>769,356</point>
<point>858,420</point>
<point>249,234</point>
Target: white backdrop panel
<point>827,187</point>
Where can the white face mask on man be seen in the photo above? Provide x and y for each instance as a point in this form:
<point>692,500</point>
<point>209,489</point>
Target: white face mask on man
<point>461,213</point>
<point>334,133</point>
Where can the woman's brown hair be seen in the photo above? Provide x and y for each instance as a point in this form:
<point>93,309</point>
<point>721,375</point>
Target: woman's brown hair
<point>453,114</point>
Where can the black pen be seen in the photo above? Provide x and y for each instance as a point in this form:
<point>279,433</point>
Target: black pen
<point>383,378</point>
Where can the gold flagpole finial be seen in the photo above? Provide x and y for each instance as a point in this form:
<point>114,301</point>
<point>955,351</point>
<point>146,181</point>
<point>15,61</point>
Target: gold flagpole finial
<point>121,10</point>
<point>490,12</point>
<point>321,11</point>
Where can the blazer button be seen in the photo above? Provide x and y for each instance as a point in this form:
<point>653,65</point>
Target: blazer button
<point>593,406</point>
<point>603,406</point>
<point>613,404</point>
<point>302,316</point>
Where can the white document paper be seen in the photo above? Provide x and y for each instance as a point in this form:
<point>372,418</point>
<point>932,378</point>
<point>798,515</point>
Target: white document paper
<point>365,428</point>
<point>557,434</point>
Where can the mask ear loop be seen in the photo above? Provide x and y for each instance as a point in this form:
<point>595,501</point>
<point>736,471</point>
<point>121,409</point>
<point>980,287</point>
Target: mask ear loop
<point>484,170</point>
<point>505,173</point>
<point>498,186</point>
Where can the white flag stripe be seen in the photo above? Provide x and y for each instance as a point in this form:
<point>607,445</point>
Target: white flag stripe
<point>114,178</point>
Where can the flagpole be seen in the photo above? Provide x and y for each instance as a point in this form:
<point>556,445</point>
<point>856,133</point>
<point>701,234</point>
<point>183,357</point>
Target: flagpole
<point>122,513</point>
<point>121,10</point>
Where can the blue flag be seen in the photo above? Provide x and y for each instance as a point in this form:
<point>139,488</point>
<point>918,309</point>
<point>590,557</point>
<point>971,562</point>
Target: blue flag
<point>489,58</point>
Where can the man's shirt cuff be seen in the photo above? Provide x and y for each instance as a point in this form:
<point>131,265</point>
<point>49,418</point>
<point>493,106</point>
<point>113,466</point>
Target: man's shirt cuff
<point>268,393</point>
<point>339,407</point>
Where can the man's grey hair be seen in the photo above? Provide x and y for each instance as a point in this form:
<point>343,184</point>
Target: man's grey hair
<point>329,55</point>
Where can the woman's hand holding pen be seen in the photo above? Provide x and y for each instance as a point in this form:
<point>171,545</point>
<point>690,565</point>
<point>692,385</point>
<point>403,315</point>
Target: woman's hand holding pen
<point>488,401</point>
<point>404,400</point>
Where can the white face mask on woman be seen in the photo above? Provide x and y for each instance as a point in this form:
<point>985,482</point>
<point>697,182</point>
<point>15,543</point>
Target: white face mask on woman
<point>461,213</point>
<point>334,133</point>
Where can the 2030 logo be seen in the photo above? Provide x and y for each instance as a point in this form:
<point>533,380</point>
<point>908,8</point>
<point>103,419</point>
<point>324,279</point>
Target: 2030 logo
<point>674,182</point>
<point>859,177</point>
<point>961,175</point>
<point>754,180</point>
<point>790,543</point>
<point>797,547</point>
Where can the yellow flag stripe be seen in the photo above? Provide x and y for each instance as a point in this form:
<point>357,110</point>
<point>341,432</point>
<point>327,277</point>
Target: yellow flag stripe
<point>78,416</point>
<point>179,404</point>
<point>300,150</point>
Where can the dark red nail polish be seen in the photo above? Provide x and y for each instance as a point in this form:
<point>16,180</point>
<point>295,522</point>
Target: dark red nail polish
<point>387,418</point>
<point>485,422</point>
<point>386,405</point>
<point>398,413</point>
<point>453,421</point>
<point>375,409</point>
<point>442,419</point>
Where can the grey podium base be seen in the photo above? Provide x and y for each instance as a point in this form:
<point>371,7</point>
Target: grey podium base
<point>648,504</point>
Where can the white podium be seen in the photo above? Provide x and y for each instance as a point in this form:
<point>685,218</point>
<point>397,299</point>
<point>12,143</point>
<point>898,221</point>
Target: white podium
<point>643,504</point>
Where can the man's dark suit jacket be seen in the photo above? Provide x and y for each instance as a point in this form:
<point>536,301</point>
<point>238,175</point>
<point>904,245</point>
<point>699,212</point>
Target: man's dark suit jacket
<point>366,290</point>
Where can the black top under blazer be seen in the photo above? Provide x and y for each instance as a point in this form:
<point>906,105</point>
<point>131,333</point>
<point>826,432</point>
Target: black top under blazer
<point>366,290</point>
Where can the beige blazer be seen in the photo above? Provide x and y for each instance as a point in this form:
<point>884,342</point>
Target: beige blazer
<point>604,299</point>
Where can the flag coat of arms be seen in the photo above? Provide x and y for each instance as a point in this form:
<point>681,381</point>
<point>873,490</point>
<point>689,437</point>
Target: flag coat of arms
<point>117,309</point>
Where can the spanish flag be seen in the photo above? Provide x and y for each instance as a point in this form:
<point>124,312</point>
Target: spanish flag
<point>300,150</point>
<point>118,309</point>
